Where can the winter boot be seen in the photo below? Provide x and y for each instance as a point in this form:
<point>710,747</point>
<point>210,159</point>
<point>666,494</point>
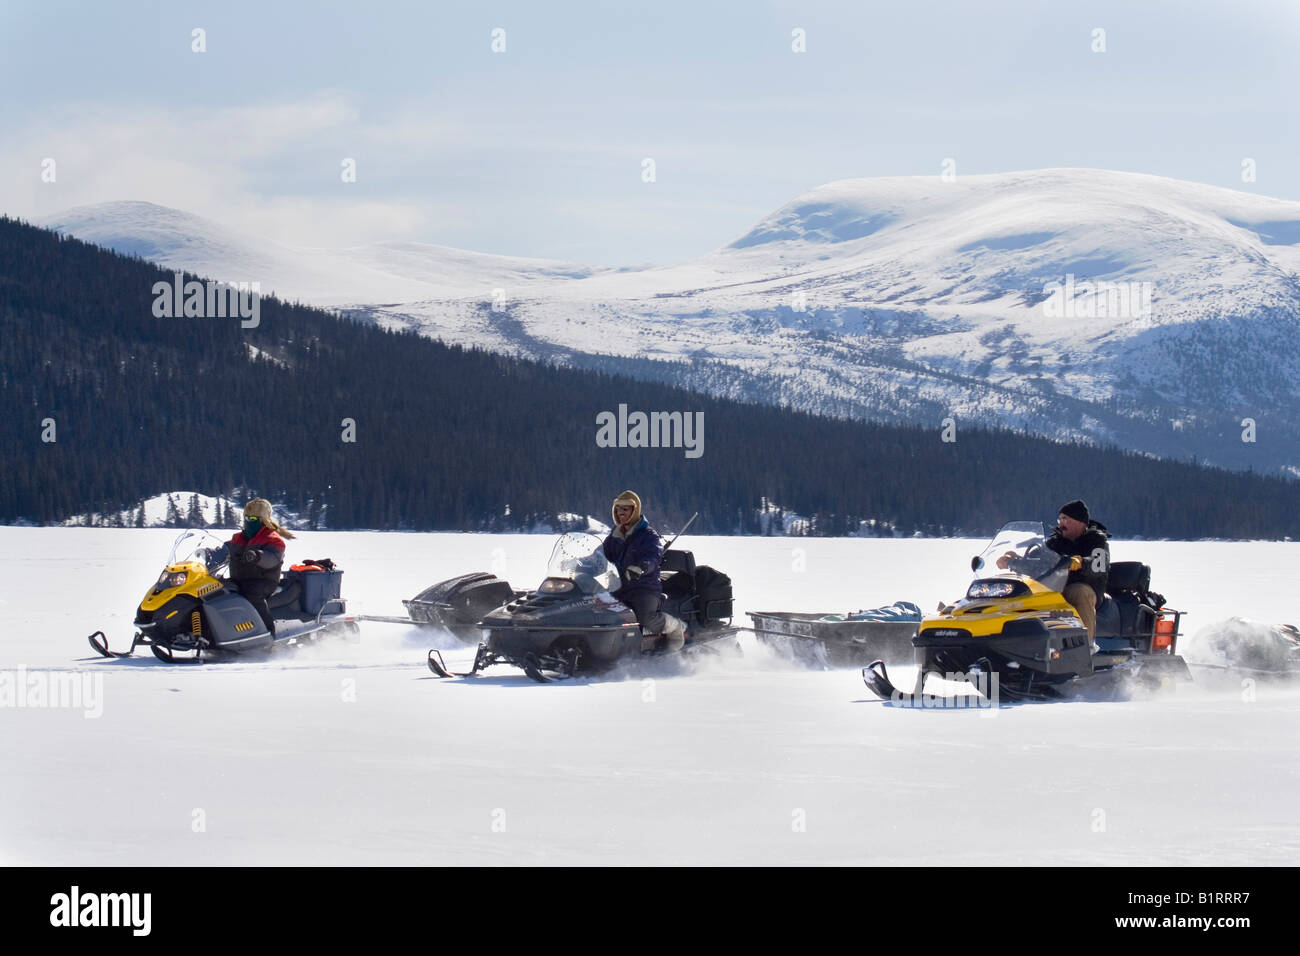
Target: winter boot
<point>674,633</point>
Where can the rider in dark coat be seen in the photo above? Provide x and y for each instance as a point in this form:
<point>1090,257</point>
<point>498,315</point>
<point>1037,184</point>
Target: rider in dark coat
<point>1088,542</point>
<point>256,554</point>
<point>1077,534</point>
<point>636,551</point>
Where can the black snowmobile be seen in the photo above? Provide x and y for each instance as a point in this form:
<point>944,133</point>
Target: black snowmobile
<point>573,625</point>
<point>192,611</point>
<point>1015,636</point>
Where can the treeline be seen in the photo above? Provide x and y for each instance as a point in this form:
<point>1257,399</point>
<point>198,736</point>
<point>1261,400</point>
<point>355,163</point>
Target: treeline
<point>353,426</point>
<point>181,512</point>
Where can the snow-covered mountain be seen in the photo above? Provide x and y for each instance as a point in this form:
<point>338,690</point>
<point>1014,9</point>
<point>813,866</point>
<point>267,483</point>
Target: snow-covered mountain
<point>381,272</point>
<point>1149,312</point>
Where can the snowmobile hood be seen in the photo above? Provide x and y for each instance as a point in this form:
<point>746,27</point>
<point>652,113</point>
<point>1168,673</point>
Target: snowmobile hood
<point>572,608</point>
<point>986,616</point>
<point>187,578</point>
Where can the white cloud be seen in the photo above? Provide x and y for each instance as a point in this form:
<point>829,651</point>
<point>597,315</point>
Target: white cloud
<point>272,168</point>
<point>427,171</point>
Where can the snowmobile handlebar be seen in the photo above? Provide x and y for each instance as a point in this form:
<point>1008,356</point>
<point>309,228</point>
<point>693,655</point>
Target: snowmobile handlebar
<point>213,560</point>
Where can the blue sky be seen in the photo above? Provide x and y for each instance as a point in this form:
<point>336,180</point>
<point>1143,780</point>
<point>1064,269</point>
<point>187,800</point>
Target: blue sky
<point>538,151</point>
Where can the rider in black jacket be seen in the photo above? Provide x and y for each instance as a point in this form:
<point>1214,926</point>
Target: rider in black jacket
<point>255,555</point>
<point>1077,534</point>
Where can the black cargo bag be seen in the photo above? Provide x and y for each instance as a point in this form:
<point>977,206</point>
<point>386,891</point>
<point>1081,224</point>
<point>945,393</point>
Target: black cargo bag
<point>713,591</point>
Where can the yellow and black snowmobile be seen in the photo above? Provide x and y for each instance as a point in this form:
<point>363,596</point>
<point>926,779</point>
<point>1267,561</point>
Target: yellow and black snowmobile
<point>1014,636</point>
<point>189,609</point>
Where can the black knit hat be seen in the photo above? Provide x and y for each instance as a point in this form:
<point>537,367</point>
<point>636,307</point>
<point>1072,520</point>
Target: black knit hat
<point>1076,509</point>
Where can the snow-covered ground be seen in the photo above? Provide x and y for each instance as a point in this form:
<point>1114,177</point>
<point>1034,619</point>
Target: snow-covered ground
<point>353,754</point>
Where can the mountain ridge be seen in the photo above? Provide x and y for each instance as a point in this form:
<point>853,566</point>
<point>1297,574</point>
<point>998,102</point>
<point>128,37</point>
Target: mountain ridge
<point>900,298</point>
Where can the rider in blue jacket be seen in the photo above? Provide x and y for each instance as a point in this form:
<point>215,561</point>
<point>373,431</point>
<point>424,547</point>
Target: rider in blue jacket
<point>635,549</point>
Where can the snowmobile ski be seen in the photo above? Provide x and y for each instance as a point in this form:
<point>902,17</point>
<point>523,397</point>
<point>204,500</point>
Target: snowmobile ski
<point>877,680</point>
<point>440,668</point>
<point>876,677</point>
<point>99,641</point>
<point>533,668</point>
<point>168,656</point>
<point>549,668</point>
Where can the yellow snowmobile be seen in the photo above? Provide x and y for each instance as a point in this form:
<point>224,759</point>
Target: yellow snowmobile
<point>1013,635</point>
<point>189,609</point>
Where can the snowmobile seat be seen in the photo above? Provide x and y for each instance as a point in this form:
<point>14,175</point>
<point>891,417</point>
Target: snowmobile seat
<point>1126,617</point>
<point>1128,577</point>
<point>677,560</point>
<point>1108,619</point>
<point>1135,617</point>
<point>288,594</point>
<point>1127,608</point>
<point>677,574</point>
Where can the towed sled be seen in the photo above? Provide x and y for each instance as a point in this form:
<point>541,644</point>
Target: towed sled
<point>836,640</point>
<point>455,605</point>
<point>458,604</point>
<point>572,624</point>
<point>1239,647</point>
<point>1014,635</point>
<point>190,611</point>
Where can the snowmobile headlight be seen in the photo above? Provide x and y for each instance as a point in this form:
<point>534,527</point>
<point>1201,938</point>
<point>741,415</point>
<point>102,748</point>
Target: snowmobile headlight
<point>995,589</point>
<point>171,579</point>
<point>556,586</point>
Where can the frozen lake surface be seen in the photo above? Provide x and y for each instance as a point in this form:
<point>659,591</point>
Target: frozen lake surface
<point>355,754</point>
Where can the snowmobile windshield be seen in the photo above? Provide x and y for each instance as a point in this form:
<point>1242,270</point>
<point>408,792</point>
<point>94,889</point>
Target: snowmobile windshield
<point>577,553</point>
<point>192,545</point>
<point>1033,558</point>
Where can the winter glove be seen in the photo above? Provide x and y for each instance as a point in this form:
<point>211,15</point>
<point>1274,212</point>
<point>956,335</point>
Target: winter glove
<point>251,556</point>
<point>634,572</point>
